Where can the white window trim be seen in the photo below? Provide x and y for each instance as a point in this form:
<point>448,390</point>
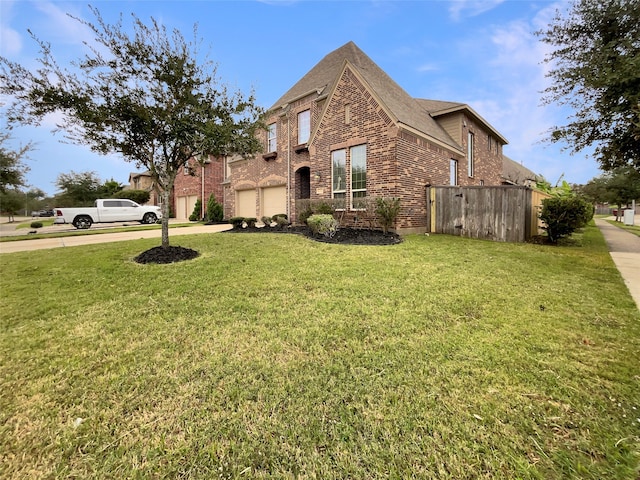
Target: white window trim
<point>272,138</point>
<point>470,153</point>
<point>305,115</point>
<point>344,180</point>
<point>352,190</point>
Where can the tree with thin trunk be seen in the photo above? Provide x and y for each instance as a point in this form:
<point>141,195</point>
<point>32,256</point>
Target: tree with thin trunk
<point>145,95</point>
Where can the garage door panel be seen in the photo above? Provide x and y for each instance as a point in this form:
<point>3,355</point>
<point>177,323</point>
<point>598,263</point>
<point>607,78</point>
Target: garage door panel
<point>246,203</point>
<point>274,200</point>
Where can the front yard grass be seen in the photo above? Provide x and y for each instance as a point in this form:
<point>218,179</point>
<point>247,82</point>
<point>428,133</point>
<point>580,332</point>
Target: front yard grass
<point>274,356</point>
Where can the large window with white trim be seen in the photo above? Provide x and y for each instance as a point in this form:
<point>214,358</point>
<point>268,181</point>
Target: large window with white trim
<point>358,157</point>
<point>304,126</point>
<point>339,173</point>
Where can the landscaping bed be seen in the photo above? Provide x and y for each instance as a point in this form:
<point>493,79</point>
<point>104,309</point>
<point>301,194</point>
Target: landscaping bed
<point>347,236</point>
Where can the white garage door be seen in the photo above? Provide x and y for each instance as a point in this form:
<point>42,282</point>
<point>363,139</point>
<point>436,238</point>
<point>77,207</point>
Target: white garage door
<point>245,203</point>
<point>185,206</point>
<point>274,200</point>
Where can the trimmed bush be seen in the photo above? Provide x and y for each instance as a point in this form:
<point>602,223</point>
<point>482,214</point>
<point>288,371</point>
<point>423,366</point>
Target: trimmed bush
<point>266,220</point>
<point>387,210</point>
<point>215,211</point>
<point>283,215</point>
<point>236,222</point>
<point>564,215</point>
<point>36,224</point>
<point>282,221</point>
<point>251,221</point>
<point>323,224</point>
<point>139,196</point>
<point>305,214</point>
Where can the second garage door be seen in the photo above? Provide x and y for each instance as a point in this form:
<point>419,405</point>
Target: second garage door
<point>274,200</point>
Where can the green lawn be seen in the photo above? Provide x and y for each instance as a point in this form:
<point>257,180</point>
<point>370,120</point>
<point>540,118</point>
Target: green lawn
<point>273,356</point>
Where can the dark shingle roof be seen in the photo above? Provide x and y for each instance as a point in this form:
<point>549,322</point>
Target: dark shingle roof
<point>406,110</point>
<point>516,173</point>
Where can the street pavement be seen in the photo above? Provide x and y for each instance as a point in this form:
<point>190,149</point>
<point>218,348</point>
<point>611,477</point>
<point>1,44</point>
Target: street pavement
<point>624,248</point>
<point>61,242</point>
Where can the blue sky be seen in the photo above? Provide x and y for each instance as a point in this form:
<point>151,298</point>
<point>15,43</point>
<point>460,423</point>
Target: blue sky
<point>480,52</point>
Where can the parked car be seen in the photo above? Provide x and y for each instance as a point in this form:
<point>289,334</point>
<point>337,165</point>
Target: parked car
<point>108,211</point>
<point>45,213</point>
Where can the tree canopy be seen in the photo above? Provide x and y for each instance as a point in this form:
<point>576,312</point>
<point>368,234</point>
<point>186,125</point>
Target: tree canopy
<point>595,68</point>
<point>12,166</point>
<point>145,95</point>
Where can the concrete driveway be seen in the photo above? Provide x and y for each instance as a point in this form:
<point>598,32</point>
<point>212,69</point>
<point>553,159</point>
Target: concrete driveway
<point>42,242</point>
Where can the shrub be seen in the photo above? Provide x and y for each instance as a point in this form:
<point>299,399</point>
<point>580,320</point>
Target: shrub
<point>284,215</point>
<point>36,224</point>
<point>564,215</point>
<point>236,222</point>
<point>215,211</point>
<point>387,210</point>
<point>195,216</point>
<point>266,220</point>
<point>305,213</point>
<point>323,224</point>
<point>282,221</point>
<point>138,196</point>
<point>251,221</point>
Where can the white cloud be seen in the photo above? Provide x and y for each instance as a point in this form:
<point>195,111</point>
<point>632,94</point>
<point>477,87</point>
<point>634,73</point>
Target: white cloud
<point>428,67</point>
<point>471,8</point>
<point>61,26</point>
<point>10,39</point>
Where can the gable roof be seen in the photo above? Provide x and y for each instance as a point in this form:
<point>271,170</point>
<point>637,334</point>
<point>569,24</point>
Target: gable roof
<point>322,78</point>
<point>437,108</point>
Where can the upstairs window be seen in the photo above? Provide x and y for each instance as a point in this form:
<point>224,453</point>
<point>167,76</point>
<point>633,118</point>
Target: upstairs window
<point>470,149</point>
<point>271,138</point>
<point>304,126</point>
<point>339,173</point>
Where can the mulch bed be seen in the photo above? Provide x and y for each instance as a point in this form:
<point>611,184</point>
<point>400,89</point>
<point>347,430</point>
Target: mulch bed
<point>346,236</point>
<point>169,254</point>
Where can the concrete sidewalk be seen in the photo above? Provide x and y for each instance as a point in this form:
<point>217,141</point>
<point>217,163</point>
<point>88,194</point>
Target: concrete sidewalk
<point>624,248</point>
<point>43,243</point>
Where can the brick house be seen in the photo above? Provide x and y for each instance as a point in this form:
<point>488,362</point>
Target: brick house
<point>347,130</point>
<point>143,181</point>
<point>195,181</point>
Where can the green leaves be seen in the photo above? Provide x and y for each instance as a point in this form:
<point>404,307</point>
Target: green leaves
<point>595,69</point>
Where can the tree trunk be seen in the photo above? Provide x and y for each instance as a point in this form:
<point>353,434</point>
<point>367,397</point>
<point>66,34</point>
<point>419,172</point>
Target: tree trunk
<point>165,195</point>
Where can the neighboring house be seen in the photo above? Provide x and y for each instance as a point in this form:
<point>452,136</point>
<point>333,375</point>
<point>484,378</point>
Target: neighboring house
<point>143,181</point>
<point>198,180</point>
<point>347,131</point>
<point>514,173</point>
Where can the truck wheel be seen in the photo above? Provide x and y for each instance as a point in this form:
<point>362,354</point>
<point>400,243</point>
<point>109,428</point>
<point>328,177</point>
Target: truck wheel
<point>149,218</point>
<point>82,222</point>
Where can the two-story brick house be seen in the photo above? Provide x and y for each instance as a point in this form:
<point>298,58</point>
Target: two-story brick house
<point>347,130</point>
<point>198,180</point>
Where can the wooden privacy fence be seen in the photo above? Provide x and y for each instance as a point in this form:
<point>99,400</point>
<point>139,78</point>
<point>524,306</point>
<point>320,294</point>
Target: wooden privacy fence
<point>501,213</point>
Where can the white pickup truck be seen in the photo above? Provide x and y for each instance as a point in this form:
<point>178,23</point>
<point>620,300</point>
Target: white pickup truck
<point>107,211</point>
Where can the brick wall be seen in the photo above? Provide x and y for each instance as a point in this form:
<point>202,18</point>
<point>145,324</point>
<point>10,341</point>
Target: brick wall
<point>211,178</point>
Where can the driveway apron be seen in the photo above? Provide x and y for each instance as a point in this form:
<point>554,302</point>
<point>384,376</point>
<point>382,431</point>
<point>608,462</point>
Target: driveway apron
<point>624,248</point>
